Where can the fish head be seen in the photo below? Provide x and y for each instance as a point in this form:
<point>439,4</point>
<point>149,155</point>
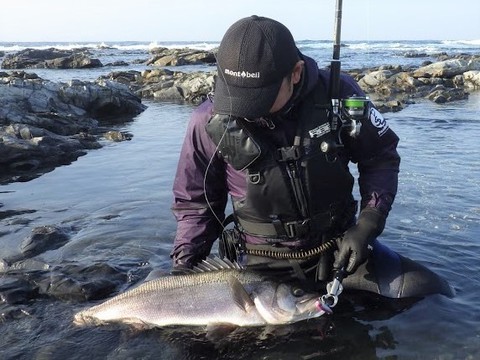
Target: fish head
<point>280,304</point>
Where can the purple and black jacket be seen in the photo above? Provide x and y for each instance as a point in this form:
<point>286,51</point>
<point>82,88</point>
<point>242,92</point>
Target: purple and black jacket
<point>204,180</point>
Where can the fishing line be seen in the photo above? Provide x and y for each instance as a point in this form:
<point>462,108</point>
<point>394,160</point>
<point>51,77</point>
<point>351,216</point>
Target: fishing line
<point>219,73</point>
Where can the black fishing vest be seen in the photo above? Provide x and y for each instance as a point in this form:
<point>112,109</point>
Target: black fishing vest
<point>294,191</point>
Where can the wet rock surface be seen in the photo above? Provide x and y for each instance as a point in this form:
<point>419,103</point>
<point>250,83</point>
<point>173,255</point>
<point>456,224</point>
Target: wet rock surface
<point>165,84</point>
<point>50,59</point>
<point>65,282</point>
<point>81,58</point>
<point>174,57</point>
<point>449,79</point>
<point>79,283</point>
<point>44,124</point>
<point>43,238</point>
<point>28,277</point>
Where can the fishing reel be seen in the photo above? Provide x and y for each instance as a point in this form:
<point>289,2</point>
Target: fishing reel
<point>347,116</point>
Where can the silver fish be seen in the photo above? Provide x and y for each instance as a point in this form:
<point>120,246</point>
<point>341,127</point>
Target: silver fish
<point>216,292</point>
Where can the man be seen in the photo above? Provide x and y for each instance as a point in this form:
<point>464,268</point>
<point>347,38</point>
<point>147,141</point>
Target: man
<point>268,140</point>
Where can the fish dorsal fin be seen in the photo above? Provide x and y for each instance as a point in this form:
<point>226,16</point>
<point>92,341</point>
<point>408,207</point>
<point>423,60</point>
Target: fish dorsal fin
<point>215,264</point>
<point>239,295</point>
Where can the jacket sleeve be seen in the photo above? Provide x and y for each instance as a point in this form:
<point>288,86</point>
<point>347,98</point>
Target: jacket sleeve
<point>375,152</point>
<point>200,193</point>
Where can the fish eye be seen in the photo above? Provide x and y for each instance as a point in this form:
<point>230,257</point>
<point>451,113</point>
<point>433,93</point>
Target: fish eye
<point>297,291</point>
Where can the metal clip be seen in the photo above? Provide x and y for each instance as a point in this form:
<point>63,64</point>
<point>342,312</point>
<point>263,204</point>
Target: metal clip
<point>334,289</point>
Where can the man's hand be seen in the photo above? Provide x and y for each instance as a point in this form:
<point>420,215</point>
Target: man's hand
<point>353,247</point>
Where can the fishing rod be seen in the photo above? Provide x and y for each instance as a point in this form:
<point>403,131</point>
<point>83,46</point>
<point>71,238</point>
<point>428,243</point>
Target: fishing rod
<point>345,114</point>
<point>335,64</point>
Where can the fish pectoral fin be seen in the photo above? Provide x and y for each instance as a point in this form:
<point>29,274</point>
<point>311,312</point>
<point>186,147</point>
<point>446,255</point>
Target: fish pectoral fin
<point>218,331</point>
<point>240,296</point>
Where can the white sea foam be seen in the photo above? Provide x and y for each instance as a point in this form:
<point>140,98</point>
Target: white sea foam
<point>462,43</point>
<point>122,46</point>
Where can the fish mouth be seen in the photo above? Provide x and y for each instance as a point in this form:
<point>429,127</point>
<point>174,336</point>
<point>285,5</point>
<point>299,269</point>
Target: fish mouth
<point>309,306</point>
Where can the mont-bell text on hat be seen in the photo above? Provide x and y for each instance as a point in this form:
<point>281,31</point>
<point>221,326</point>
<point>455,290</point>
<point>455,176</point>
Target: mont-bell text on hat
<point>254,56</point>
<point>243,74</point>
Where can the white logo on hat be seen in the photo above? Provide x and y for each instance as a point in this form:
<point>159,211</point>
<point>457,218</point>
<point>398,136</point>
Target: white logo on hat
<point>243,74</point>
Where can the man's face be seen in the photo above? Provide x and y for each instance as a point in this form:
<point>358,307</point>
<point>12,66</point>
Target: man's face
<point>286,89</point>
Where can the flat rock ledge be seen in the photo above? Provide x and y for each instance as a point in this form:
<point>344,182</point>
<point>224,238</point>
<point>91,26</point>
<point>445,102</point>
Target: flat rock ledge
<point>164,84</point>
<point>44,124</point>
<point>50,59</point>
<point>162,56</point>
<point>80,58</point>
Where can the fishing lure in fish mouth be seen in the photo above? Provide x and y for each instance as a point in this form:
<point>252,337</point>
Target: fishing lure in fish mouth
<point>321,307</point>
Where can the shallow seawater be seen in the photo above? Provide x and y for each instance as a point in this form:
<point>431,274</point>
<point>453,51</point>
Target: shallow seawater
<point>115,201</point>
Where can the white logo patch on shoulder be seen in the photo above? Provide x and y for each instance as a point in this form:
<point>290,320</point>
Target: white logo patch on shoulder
<point>378,121</point>
<point>320,130</point>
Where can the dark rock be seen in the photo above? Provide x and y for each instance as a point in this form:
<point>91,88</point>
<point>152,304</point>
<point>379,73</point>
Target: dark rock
<point>43,238</point>
<point>413,54</point>
<point>12,313</point>
<point>30,157</point>
<point>49,58</point>
<point>23,266</point>
<point>17,291</point>
<point>77,283</point>
<point>164,84</point>
<point>44,124</point>
<point>117,63</point>
<point>74,61</point>
<point>102,100</point>
<point>9,213</point>
<point>441,94</point>
<point>428,62</point>
<point>389,106</point>
<point>129,78</point>
<point>176,57</point>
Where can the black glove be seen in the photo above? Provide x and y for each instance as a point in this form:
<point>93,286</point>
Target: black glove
<point>353,247</point>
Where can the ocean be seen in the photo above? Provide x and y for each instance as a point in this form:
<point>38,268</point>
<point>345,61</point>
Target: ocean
<point>117,202</point>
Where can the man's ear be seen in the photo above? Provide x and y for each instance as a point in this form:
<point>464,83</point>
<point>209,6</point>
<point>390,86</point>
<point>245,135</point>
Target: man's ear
<point>297,71</point>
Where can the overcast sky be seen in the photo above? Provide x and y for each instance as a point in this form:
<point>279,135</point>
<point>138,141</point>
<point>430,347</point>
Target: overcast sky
<point>203,20</point>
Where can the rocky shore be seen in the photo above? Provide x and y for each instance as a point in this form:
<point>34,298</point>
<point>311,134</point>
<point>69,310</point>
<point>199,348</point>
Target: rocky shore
<point>451,78</point>
<point>448,79</point>
<point>44,124</point>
